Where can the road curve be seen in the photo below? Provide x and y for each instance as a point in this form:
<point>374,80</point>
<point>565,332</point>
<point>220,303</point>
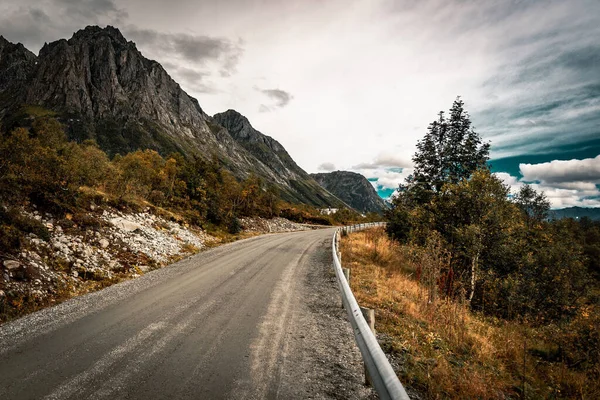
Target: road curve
<point>221,324</point>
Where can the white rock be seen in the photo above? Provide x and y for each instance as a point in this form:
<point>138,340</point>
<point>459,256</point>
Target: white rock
<point>125,224</point>
<point>11,264</point>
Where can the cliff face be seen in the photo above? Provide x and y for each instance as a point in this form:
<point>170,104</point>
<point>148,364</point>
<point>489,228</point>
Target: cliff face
<point>352,188</point>
<point>273,156</point>
<point>101,87</point>
<point>16,65</point>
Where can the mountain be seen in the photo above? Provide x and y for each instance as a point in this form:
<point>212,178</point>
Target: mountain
<point>352,188</point>
<point>576,213</point>
<point>272,154</point>
<point>102,88</point>
<point>16,65</point>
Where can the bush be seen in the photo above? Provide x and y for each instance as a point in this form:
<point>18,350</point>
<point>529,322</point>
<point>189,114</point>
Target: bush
<point>234,227</point>
<point>10,238</point>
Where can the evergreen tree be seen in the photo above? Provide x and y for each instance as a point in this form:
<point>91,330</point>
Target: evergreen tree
<point>450,152</point>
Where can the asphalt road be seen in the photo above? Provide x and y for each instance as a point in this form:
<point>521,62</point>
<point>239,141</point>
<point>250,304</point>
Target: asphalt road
<point>217,325</point>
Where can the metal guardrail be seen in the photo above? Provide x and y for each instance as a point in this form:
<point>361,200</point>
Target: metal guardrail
<point>382,375</point>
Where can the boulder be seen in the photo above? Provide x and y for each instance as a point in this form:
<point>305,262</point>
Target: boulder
<point>104,243</point>
<point>11,264</point>
<point>125,224</point>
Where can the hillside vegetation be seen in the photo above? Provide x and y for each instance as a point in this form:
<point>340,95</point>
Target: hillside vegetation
<point>475,247</point>
<point>442,348</point>
<point>40,166</point>
<point>49,184</point>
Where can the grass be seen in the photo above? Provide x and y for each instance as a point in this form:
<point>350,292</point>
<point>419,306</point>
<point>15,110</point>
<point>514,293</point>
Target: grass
<point>447,351</point>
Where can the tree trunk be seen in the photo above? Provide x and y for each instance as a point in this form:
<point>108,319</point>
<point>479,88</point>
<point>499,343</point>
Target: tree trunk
<point>474,263</point>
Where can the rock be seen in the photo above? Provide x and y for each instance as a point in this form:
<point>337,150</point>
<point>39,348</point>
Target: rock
<point>2,294</point>
<point>144,268</point>
<point>125,224</point>
<point>11,264</point>
<point>129,89</point>
<point>30,273</point>
<point>104,243</point>
<point>352,188</point>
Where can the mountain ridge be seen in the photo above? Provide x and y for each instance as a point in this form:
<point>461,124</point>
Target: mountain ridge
<point>352,188</point>
<point>575,212</point>
<point>102,88</point>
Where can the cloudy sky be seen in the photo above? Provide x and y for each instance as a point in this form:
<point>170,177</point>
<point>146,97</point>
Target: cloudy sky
<point>352,85</point>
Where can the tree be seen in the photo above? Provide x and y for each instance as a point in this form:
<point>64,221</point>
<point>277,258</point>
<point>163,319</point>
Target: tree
<point>534,205</point>
<point>450,152</point>
<point>473,215</point>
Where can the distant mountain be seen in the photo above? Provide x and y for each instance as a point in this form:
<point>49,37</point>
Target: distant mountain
<point>576,213</point>
<point>101,87</point>
<point>352,188</point>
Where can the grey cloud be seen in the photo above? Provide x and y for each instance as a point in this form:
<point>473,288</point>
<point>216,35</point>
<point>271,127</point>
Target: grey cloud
<point>91,9</point>
<point>25,25</point>
<point>39,16</point>
<point>195,49</point>
<point>33,22</point>
<point>194,79</point>
<point>326,166</point>
<point>281,97</point>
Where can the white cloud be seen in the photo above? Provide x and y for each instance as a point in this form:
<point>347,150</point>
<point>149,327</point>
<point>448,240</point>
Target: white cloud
<point>566,183</point>
<point>563,171</point>
<point>385,178</point>
<point>386,159</point>
<point>327,167</point>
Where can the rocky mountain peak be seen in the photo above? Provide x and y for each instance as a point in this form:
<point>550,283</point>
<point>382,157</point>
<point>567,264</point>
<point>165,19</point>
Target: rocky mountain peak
<point>241,130</point>
<point>94,32</point>
<point>102,88</point>
<point>16,63</point>
<point>273,155</point>
<point>236,123</point>
<point>352,188</point>
<point>13,51</point>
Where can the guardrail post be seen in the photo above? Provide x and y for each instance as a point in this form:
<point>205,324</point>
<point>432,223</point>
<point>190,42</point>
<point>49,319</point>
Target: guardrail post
<point>369,315</point>
<point>347,276</point>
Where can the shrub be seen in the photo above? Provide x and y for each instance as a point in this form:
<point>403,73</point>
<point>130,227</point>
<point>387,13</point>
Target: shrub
<point>234,227</point>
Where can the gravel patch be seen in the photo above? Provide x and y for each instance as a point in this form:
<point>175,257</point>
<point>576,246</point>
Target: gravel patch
<point>327,362</point>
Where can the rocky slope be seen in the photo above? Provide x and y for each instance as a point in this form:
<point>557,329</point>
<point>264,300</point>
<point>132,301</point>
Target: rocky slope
<point>101,87</point>
<point>88,251</point>
<point>352,188</point>
<point>274,156</point>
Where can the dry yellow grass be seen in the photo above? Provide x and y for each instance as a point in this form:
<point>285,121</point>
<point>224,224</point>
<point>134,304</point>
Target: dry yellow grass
<point>447,351</point>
